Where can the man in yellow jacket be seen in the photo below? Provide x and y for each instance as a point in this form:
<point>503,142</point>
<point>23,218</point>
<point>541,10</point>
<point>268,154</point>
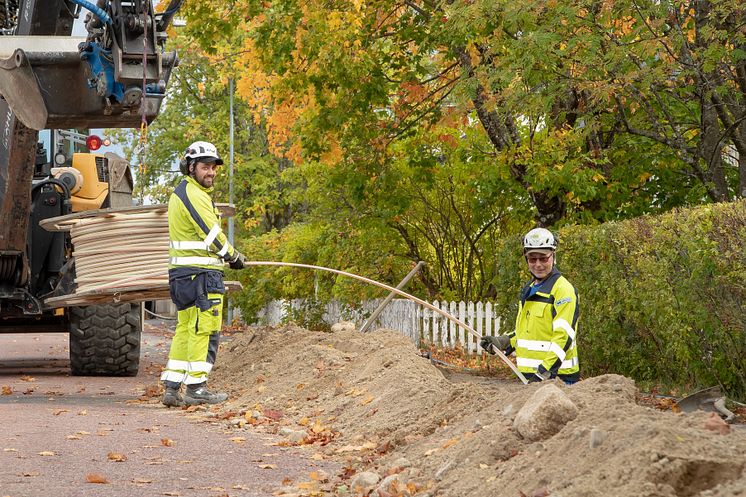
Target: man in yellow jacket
<point>198,252</point>
<point>545,336</point>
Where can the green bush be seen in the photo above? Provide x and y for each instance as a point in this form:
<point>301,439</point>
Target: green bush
<point>662,298</point>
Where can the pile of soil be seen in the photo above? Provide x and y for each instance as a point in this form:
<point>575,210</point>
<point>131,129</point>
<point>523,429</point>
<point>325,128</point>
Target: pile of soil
<point>404,428</point>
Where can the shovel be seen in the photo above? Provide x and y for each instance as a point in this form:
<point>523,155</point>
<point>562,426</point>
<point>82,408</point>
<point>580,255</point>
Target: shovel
<point>709,400</point>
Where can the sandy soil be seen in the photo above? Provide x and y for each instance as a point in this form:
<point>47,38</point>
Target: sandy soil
<point>401,427</point>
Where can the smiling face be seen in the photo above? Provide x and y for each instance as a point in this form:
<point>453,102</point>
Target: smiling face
<point>540,263</point>
<point>204,173</point>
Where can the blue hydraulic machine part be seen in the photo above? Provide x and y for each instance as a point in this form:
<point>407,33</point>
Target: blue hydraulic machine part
<point>115,77</point>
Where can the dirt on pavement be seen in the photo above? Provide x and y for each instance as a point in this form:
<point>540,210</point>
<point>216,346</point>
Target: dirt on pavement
<point>401,427</point>
<point>93,436</point>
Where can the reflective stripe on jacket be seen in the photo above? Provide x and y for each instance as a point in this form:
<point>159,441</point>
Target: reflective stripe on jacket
<point>196,239</point>
<point>545,337</point>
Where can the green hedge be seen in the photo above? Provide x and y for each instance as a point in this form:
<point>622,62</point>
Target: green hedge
<point>663,299</point>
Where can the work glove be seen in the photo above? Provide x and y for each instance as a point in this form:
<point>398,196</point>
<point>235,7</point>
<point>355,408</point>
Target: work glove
<point>238,261</point>
<point>500,342</point>
<point>541,375</point>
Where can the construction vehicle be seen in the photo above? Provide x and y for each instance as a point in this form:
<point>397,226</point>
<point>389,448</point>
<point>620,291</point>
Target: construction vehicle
<point>114,77</point>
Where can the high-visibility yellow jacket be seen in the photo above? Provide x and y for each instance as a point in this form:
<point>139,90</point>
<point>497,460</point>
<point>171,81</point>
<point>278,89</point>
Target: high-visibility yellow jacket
<point>196,239</point>
<point>545,337</point>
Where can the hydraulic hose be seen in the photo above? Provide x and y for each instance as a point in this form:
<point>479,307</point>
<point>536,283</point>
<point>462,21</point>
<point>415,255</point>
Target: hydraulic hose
<point>165,18</point>
<point>95,10</point>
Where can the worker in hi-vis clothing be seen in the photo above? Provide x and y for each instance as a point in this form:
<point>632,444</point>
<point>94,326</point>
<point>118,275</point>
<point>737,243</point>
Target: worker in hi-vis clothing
<point>545,336</point>
<point>197,254</point>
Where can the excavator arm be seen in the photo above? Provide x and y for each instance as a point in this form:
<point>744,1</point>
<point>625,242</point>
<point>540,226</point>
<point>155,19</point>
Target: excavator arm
<point>114,76</point>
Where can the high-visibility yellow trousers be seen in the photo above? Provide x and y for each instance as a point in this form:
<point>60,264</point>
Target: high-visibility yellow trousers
<point>194,346</point>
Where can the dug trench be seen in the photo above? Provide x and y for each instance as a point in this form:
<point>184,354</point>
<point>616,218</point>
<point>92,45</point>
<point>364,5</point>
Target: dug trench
<point>398,426</point>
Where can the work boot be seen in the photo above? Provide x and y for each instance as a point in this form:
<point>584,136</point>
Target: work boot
<point>172,398</point>
<point>199,394</point>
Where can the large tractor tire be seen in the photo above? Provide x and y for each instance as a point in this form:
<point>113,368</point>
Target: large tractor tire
<point>105,340</point>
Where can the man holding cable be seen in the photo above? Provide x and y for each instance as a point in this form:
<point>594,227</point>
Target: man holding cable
<point>198,253</point>
<point>545,336</point>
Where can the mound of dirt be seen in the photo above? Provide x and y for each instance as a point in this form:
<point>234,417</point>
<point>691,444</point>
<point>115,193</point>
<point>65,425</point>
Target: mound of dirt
<point>403,428</point>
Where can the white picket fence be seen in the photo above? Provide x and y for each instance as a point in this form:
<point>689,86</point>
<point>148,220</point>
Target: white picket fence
<point>409,318</point>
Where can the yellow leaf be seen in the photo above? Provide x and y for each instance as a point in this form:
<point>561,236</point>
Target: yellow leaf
<point>307,485</point>
<point>47,453</point>
<point>268,466</point>
<point>238,440</point>
<point>27,378</point>
<point>7,390</point>
<point>367,400</point>
<point>167,442</point>
<point>116,457</point>
<point>303,421</point>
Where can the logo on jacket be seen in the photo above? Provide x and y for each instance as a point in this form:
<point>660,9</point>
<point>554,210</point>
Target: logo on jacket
<point>563,301</point>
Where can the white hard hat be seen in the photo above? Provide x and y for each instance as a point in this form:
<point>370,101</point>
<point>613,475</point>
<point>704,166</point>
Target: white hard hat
<point>203,152</point>
<point>540,239</point>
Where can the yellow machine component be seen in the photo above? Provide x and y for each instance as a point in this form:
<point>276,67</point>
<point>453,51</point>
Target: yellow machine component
<point>95,188</point>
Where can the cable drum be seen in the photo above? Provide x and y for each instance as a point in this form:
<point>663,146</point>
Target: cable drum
<point>123,249</point>
<point>120,254</point>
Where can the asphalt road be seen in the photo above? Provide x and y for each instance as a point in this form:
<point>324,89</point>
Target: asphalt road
<point>92,436</point>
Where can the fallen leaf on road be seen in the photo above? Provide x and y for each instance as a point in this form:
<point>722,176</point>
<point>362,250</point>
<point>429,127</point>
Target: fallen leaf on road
<point>152,391</point>
<point>27,378</point>
<point>47,453</point>
<point>273,414</point>
<point>73,437</point>
<point>268,466</point>
<point>141,480</point>
<point>303,421</point>
<point>32,473</point>
<point>7,390</point>
<point>286,481</point>
<point>83,413</point>
<point>237,440</point>
<point>367,400</point>
<point>10,450</point>
<point>116,457</point>
<point>167,442</point>
<point>60,411</point>
<point>96,478</point>
<point>29,391</point>
<point>173,494</point>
